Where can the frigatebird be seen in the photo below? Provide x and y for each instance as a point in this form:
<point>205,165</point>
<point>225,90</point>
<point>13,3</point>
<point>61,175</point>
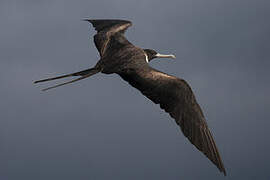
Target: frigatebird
<point>174,95</point>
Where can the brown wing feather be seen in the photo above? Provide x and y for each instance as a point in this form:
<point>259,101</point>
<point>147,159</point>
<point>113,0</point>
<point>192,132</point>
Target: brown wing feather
<point>105,30</point>
<point>176,97</point>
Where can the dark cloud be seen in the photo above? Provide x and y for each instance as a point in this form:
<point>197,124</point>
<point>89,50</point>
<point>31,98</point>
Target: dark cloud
<point>101,128</point>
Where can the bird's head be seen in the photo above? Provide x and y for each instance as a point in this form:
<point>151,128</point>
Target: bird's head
<point>151,54</point>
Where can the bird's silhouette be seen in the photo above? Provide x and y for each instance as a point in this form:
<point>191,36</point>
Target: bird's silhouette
<point>174,95</point>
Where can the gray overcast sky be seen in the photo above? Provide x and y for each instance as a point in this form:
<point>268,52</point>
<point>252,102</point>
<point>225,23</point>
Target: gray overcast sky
<point>101,128</point>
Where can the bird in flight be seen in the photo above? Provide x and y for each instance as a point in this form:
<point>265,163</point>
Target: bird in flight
<point>174,95</point>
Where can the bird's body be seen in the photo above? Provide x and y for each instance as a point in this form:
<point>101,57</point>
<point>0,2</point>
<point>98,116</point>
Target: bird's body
<point>174,95</point>
<point>127,57</point>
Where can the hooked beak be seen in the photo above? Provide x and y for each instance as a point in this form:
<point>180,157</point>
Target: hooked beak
<point>165,56</point>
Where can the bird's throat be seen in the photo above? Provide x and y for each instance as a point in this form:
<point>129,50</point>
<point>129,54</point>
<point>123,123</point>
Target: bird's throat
<point>146,58</point>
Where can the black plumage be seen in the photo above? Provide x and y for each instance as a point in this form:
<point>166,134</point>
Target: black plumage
<point>174,95</point>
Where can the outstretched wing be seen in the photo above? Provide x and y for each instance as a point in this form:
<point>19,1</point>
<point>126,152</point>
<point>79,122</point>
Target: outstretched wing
<point>176,97</point>
<point>106,30</point>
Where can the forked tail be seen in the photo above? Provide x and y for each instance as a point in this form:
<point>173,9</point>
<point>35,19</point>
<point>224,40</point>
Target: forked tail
<point>84,74</point>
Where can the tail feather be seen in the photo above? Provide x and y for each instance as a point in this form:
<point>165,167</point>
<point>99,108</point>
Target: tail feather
<point>84,74</point>
<point>80,73</point>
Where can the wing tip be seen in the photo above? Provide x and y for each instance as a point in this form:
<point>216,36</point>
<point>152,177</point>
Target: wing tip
<point>222,168</point>
<point>115,20</point>
<point>207,146</point>
<point>224,172</point>
<point>102,24</point>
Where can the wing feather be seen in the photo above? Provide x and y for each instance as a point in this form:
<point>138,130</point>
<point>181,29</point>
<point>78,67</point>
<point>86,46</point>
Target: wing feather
<point>176,97</point>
